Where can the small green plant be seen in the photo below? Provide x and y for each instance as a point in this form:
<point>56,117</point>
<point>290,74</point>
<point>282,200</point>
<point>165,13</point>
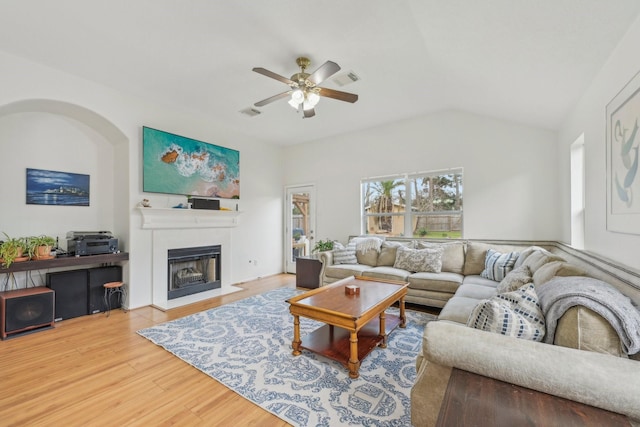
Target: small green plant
<point>35,242</point>
<point>11,249</point>
<point>423,232</point>
<point>323,245</point>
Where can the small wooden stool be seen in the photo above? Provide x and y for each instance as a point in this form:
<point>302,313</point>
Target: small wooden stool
<point>113,288</point>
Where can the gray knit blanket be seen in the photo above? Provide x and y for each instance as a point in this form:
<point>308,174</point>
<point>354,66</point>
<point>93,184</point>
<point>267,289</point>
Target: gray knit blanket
<point>561,293</point>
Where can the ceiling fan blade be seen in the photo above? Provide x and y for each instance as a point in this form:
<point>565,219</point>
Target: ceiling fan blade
<point>325,71</point>
<point>336,94</point>
<point>309,113</point>
<point>273,75</point>
<point>272,98</point>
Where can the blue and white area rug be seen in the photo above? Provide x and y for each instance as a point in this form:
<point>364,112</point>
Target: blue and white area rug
<point>246,346</point>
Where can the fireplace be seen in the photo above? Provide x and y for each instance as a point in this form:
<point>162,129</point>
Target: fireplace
<point>193,270</point>
<point>188,228</point>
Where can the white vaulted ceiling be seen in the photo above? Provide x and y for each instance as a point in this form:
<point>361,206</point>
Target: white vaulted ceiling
<point>520,60</point>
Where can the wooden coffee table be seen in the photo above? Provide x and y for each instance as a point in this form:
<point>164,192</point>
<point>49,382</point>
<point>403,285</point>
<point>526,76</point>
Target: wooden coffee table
<point>355,324</point>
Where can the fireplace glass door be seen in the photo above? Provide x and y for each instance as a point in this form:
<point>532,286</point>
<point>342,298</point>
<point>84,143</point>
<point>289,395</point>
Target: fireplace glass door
<point>193,270</point>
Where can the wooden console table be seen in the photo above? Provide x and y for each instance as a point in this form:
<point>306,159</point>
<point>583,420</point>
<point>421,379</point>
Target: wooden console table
<point>65,261</point>
<point>472,399</point>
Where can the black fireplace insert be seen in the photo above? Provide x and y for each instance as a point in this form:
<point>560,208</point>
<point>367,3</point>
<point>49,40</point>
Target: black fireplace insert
<point>193,270</point>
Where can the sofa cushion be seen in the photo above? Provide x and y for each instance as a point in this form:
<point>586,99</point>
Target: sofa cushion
<point>497,265</point>
<point>443,282</point>
<point>524,254</point>
<point>386,273</point>
<point>341,271</point>
<point>584,329</point>
<point>427,298</point>
<point>344,254</point>
<point>428,259</point>
<point>477,292</point>
<point>475,257</point>
<point>538,258</point>
<point>479,280</point>
<point>516,314</point>
<point>367,250</point>
<point>476,254</point>
<point>387,255</point>
<point>369,257</point>
<point>452,257</point>
<point>556,268</point>
<point>515,279</point>
<point>458,309</point>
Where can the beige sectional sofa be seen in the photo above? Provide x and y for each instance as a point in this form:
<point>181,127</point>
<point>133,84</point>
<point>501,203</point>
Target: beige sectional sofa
<point>586,362</point>
<point>426,288</point>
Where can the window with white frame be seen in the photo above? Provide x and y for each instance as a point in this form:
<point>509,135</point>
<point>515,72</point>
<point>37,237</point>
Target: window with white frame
<point>426,204</point>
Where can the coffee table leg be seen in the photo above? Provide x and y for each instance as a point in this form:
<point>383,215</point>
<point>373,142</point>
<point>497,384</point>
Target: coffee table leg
<point>354,363</point>
<point>383,330</point>
<point>296,336</point>
<point>403,318</point>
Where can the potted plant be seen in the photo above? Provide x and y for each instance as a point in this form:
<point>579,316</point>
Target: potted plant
<point>323,245</point>
<point>40,246</point>
<point>12,250</point>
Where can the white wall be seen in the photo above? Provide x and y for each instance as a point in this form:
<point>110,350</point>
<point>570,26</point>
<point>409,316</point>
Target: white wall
<point>91,118</point>
<point>49,141</point>
<point>510,175</point>
<point>589,117</point>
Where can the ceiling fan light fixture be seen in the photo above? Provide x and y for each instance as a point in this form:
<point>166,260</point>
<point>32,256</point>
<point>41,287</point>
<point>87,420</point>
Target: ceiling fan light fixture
<point>293,104</point>
<point>313,98</point>
<point>297,96</point>
<point>304,91</point>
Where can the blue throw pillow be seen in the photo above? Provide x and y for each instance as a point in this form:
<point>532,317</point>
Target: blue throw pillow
<point>497,265</point>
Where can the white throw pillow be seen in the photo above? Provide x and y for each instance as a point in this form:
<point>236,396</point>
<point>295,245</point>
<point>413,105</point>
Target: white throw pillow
<point>497,265</point>
<point>425,260</point>
<point>344,255</point>
<point>515,314</point>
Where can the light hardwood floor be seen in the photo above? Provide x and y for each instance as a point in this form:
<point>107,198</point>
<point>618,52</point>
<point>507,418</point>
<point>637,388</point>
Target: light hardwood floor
<point>97,371</point>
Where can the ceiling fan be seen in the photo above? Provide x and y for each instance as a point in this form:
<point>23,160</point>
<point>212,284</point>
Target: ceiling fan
<point>304,90</point>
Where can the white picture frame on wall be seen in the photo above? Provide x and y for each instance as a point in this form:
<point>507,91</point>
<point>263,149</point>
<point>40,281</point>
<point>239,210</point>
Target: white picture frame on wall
<point>623,145</point>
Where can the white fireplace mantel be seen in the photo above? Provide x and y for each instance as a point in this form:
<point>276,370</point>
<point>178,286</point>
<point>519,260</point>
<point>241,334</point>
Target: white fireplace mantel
<point>174,218</point>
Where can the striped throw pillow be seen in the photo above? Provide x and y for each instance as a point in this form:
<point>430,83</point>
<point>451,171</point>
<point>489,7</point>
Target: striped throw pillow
<point>515,314</point>
<point>344,254</point>
<point>497,265</point>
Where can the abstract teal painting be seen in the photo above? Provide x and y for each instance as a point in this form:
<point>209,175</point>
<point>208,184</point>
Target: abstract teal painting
<point>174,164</point>
<point>623,144</point>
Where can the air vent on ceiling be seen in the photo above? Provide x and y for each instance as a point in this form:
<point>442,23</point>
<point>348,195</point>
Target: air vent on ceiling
<point>346,78</point>
<point>251,112</point>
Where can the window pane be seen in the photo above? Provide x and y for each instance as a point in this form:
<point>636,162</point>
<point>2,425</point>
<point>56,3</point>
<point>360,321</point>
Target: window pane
<point>438,226</point>
<point>381,200</point>
<point>441,197</point>
<point>432,193</point>
<point>391,225</point>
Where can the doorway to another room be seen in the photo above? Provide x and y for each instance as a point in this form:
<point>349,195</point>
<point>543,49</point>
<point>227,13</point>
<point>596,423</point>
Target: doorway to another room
<point>299,224</point>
